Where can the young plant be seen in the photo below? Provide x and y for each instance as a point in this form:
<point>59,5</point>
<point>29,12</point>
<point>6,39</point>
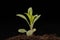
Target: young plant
<point>32,19</point>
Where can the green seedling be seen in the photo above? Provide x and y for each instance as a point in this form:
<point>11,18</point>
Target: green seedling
<point>32,20</point>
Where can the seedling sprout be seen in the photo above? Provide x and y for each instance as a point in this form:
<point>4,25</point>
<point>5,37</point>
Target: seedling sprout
<point>32,19</point>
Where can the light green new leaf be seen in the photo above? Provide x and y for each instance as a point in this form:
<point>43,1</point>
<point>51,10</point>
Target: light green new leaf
<point>36,18</point>
<point>33,18</point>
<point>22,16</point>
<point>30,11</point>
<point>30,16</point>
<point>22,30</point>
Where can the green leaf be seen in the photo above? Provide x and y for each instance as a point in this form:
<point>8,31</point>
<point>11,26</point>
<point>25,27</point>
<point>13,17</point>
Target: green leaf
<point>30,32</point>
<point>30,16</point>
<point>22,16</point>
<point>22,30</point>
<point>36,18</point>
<point>30,11</point>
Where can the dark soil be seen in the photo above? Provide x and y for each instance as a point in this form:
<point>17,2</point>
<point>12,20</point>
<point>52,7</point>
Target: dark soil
<point>34,37</point>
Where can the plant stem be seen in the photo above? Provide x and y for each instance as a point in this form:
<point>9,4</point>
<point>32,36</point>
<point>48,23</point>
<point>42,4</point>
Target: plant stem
<point>31,27</point>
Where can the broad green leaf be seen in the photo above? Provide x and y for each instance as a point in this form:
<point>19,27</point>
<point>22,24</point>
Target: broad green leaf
<point>30,11</point>
<point>30,32</point>
<point>22,16</point>
<point>22,30</point>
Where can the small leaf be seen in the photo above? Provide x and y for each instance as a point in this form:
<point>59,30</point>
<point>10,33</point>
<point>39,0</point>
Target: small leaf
<point>22,30</point>
<point>32,18</point>
<point>29,16</point>
<point>30,32</point>
<point>22,16</point>
<point>30,11</point>
<point>36,18</point>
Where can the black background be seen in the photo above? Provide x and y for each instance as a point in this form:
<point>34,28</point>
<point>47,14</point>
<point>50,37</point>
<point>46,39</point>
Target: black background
<point>48,23</point>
